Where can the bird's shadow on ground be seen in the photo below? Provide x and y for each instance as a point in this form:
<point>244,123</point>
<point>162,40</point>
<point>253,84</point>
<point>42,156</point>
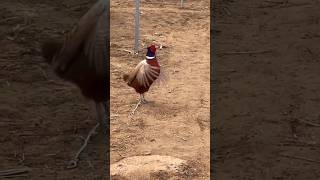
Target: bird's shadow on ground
<point>156,107</point>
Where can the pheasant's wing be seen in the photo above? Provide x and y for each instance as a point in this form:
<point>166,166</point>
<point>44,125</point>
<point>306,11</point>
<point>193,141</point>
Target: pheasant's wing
<point>87,32</point>
<point>95,46</point>
<point>147,74</point>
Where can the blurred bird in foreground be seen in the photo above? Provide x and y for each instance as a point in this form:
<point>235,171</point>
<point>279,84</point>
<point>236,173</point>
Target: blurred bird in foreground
<point>82,58</point>
<point>144,75</point>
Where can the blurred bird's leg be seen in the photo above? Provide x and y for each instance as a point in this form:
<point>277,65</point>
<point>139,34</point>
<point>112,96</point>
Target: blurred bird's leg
<point>105,126</point>
<point>138,104</point>
<point>101,117</point>
<point>99,110</point>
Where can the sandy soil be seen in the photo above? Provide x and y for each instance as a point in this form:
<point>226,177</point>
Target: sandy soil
<point>264,98</point>
<point>43,117</point>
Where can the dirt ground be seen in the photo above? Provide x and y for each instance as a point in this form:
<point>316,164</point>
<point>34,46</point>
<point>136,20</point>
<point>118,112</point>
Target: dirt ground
<point>43,118</point>
<point>268,100</point>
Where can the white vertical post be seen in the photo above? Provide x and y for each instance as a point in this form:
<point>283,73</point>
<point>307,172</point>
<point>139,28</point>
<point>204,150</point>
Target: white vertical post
<point>137,27</point>
<point>181,3</point>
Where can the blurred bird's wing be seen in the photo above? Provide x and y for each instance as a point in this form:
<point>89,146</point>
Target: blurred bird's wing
<point>96,44</point>
<point>147,74</point>
<point>87,33</point>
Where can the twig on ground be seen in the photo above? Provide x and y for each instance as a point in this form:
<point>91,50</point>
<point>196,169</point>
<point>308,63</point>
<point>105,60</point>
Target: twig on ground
<point>14,172</point>
<point>19,28</point>
<point>7,19</point>
<point>294,142</point>
<point>300,158</point>
<point>309,123</point>
<point>15,176</point>
<point>128,51</point>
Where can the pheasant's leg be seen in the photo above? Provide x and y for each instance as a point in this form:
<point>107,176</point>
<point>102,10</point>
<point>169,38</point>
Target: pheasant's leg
<point>105,126</point>
<point>102,118</point>
<point>143,100</point>
<point>138,104</point>
<point>74,163</point>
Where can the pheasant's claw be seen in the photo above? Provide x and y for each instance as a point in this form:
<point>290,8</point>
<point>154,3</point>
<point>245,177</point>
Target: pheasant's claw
<point>72,164</point>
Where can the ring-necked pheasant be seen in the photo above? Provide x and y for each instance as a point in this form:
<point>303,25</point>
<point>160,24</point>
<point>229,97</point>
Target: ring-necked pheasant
<point>144,75</point>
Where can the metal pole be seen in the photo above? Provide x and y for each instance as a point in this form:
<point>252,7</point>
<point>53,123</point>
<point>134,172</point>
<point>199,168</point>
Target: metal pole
<point>181,3</point>
<point>137,27</point>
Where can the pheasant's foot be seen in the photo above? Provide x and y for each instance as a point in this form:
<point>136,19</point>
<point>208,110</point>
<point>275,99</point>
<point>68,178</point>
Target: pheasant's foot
<point>74,162</point>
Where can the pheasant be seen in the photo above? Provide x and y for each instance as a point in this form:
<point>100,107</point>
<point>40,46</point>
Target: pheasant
<point>144,75</point>
<point>83,59</point>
